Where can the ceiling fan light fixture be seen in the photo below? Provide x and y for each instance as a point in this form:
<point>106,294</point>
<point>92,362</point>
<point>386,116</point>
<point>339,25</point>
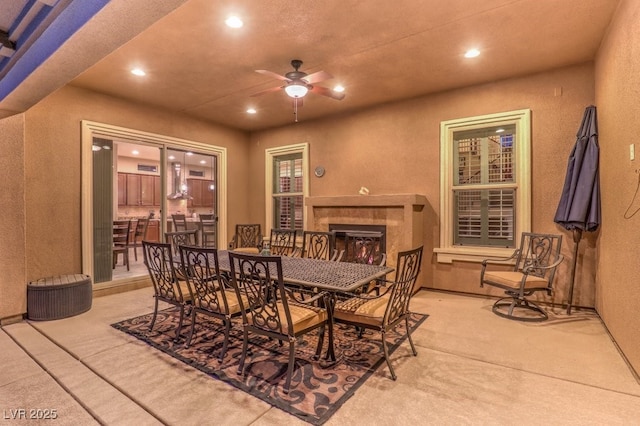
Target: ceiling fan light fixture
<point>296,90</point>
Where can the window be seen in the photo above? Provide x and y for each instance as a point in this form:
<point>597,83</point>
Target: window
<point>287,185</point>
<point>485,185</point>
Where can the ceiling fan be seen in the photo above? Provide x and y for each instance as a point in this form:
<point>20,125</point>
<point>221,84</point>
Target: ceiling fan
<point>298,83</point>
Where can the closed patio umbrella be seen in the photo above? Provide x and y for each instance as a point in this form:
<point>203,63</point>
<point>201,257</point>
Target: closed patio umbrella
<point>579,207</point>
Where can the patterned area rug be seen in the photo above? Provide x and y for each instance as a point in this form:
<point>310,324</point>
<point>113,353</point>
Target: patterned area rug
<point>317,390</point>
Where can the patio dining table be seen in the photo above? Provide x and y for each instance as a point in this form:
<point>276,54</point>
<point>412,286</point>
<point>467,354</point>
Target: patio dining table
<point>326,275</point>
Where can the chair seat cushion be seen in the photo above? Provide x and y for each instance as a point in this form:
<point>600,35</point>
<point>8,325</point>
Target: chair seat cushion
<point>303,317</point>
<point>363,311</point>
<point>512,279</point>
<point>250,250</point>
<point>184,288</point>
<point>232,301</point>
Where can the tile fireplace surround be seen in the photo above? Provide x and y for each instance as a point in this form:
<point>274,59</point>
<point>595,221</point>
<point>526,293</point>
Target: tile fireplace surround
<point>402,214</point>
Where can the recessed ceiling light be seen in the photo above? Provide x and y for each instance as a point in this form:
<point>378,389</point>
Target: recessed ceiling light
<point>251,111</point>
<point>135,152</point>
<point>189,153</point>
<point>95,148</point>
<point>139,72</point>
<point>234,22</point>
<point>172,157</point>
<point>472,53</point>
<point>499,130</point>
<point>203,161</point>
<point>338,88</point>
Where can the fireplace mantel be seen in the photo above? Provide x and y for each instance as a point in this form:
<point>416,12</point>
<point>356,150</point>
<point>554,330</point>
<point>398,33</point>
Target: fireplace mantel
<point>391,200</point>
<point>402,214</point>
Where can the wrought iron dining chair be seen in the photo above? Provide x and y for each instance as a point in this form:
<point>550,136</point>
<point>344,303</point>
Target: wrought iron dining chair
<point>121,230</point>
<point>248,238</point>
<point>273,310</point>
<point>159,260</point>
<point>211,293</point>
<point>282,242</point>
<point>385,311</point>
<point>208,229</point>
<point>532,268</point>
<point>319,245</point>
<point>175,240</point>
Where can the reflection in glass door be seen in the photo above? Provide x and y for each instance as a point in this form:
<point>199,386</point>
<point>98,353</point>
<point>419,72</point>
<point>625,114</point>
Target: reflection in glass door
<point>192,191</point>
<point>127,193</point>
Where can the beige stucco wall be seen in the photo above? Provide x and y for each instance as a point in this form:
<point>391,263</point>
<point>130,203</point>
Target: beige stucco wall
<point>47,203</point>
<point>617,80</point>
<point>13,300</point>
<point>396,149</point>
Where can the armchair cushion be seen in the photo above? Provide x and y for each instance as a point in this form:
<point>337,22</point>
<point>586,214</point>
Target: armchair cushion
<point>250,250</point>
<point>232,301</point>
<point>513,279</point>
<point>361,310</point>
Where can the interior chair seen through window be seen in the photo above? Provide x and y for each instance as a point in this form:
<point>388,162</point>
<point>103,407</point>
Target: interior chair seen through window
<point>248,238</point>
<point>208,226</point>
<point>139,234</point>
<point>534,266</point>
<point>121,229</point>
<point>273,310</point>
<point>179,222</point>
<point>383,312</point>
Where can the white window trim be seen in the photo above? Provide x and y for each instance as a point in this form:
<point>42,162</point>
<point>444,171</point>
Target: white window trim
<point>270,154</point>
<point>91,129</point>
<point>447,252</point>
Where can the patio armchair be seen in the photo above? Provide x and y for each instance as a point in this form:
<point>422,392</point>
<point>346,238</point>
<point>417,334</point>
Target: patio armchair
<point>248,238</point>
<point>531,269</point>
<point>159,260</point>
<point>271,310</point>
<point>384,311</point>
<point>211,293</point>
<point>282,242</point>
<point>319,245</point>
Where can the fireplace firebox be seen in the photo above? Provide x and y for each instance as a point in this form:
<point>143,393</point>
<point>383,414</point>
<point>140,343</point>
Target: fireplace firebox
<point>341,231</point>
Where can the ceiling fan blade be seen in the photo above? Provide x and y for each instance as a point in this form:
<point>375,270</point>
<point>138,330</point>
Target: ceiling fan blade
<point>273,74</point>
<point>317,77</point>
<point>319,90</point>
<point>262,92</point>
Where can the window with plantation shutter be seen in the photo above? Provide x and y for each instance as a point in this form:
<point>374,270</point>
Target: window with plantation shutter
<point>286,186</point>
<point>485,201</point>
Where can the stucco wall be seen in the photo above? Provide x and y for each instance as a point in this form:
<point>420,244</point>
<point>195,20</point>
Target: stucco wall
<point>50,212</point>
<point>617,80</point>
<point>396,149</point>
<point>13,297</point>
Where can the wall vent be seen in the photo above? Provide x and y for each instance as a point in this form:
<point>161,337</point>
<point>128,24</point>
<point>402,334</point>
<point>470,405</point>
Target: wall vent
<point>147,168</point>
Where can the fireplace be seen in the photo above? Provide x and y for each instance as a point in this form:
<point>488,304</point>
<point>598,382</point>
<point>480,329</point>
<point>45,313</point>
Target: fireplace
<point>400,216</point>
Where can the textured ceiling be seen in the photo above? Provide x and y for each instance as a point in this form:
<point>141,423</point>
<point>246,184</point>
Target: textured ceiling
<point>380,50</point>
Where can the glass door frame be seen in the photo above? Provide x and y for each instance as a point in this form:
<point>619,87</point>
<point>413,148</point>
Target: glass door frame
<point>91,129</point>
